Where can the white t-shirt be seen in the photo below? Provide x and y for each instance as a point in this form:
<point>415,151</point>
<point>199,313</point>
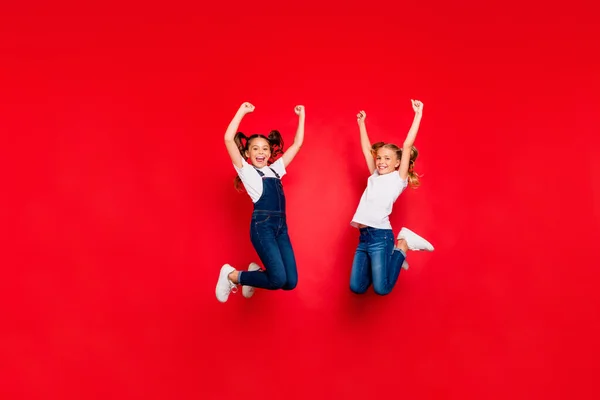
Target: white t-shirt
<point>378,200</point>
<point>253,181</point>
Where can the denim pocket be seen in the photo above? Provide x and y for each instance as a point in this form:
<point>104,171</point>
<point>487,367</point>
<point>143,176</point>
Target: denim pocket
<point>259,219</point>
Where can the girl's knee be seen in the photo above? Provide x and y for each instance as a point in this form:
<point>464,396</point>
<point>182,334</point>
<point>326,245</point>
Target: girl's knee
<point>277,282</point>
<point>277,278</point>
<point>380,290</point>
<point>357,289</point>
<point>290,285</point>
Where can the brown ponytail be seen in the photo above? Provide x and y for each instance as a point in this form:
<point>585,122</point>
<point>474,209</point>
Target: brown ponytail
<point>241,141</point>
<point>276,142</point>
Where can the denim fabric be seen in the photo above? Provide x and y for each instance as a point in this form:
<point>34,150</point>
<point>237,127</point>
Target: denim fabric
<point>269,236</point>
<point>376,262</point>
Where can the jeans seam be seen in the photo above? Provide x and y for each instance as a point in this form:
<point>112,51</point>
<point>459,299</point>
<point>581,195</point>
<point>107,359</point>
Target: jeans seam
<point>363,266</point>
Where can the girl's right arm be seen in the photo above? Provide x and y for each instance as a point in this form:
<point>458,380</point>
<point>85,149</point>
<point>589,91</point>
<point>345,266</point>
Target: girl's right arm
<point>232,129</point>
<point>365,144</point>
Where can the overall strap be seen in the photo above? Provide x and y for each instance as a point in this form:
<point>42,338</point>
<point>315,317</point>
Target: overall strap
<point>263,175</point>
<point>276,174</point>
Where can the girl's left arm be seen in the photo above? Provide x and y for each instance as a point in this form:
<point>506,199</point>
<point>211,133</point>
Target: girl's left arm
<point>291,152</point>
<point>410,139</point>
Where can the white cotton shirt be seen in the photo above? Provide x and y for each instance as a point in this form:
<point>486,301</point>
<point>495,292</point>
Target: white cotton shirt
<point>253,181</point>
<point>378,200</point>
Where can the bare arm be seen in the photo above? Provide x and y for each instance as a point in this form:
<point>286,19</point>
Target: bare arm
<point>232,129</point>
<point>410,139</point>
<point>365,144</point>
<point>291,152</point>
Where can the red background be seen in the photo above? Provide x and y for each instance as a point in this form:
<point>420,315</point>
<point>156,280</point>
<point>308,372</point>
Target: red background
<point>120,208</point>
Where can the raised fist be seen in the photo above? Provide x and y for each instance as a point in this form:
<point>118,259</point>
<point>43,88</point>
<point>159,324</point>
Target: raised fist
<point>360,117</point>
<point>246,108</point>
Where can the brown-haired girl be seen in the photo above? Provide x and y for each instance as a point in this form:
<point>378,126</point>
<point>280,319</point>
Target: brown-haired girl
<point>260,172</point>
<point>376,260</point>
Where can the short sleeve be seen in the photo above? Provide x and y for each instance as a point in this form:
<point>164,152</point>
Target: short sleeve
<point>251,179</point>
<point>279,167</point>
<point>243,169</point>
<point>395,181</point>
<point>402,183</point>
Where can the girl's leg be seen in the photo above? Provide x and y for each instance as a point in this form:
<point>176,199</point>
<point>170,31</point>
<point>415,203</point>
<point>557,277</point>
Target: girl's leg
<point>248,291</point>
<point>262,235</point>
<point>386,263</point>
<point>289,260</point>
<point>266,246</point>
<point>360,277</point>
<point>395,263</point>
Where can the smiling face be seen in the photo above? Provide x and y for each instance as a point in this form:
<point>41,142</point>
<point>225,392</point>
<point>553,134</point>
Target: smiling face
<point>259,152</point>
<point>386,161</point>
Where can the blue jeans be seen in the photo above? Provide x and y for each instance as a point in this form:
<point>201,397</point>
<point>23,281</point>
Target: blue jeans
<point>269,235</point>
<point>376,261</point>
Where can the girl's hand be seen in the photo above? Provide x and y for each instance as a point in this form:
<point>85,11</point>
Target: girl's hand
<point>360,117</point>
<point>417,106</point>
<point>299,110</point>
<point>246,108</point>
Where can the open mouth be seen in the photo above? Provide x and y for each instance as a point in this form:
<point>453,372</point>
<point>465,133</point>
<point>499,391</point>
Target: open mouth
<point>382,167</point>
<point>260,159</point>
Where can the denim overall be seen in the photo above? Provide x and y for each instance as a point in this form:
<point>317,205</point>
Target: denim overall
<point>269,236</point>
<point>272,201</point>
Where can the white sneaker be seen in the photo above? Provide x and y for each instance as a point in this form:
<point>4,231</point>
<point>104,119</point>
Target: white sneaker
<point>248,291</point>
<point>224,285</point>
<point>414,241</point>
